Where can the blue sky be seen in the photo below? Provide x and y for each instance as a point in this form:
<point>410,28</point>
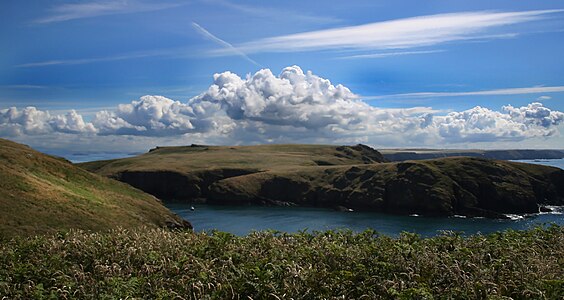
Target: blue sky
<point>403,60</point>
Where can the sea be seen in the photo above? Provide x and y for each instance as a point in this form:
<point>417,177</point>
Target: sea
<point>242,220</point>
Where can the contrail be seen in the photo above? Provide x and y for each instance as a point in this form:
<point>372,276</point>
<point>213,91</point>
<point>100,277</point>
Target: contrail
<point>201,30</point>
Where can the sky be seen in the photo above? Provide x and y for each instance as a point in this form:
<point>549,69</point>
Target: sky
<point>125,76</point>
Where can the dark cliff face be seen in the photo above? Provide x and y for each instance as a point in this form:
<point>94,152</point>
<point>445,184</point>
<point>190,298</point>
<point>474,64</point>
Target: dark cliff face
<point>175,186</point>
<point>343,176</point>
<point>468,186</point>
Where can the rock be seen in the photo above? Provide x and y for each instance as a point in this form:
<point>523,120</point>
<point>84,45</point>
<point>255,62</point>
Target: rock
<point>343,209</point>
<point>178,225</point>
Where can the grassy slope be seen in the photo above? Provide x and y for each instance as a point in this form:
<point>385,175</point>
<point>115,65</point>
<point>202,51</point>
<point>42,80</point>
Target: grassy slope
<point>158,264</point>
<point>262,157</point>
<point>40,193</point>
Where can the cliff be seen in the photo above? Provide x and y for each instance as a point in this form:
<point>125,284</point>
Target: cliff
<point>354,177</point>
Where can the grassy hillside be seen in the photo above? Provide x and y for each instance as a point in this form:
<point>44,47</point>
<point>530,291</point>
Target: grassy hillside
<point>257,158</point>
<point>186,173</point>
<point>41,193</point>
<point>158,264</point>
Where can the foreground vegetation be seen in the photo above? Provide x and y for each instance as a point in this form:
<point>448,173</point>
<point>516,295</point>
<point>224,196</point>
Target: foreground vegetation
<point>156,263</point>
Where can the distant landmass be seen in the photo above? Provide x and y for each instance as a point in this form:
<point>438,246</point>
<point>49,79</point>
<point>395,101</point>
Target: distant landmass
<point>416,154</point>
<point>344,177</point>
<point>41,194</point>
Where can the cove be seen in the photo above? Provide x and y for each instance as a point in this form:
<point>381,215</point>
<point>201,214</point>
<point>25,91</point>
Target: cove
<point>241,220</point>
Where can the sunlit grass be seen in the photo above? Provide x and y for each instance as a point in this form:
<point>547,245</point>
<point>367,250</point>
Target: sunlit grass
<point>156,263</point>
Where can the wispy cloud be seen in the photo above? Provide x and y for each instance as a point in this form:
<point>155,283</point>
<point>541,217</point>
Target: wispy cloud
<point>497,92</point>
<point>72,11</point>
<point>387,54</point>
<point>277,13</point>
<point>398,34</point>
<point>22,86</point>
<point>206,34</point>
<point>176,52</point>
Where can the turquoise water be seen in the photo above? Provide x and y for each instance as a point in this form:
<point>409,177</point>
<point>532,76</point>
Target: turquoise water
<point>241,220</point>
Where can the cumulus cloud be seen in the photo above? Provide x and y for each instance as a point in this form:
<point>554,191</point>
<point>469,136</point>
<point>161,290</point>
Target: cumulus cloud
<point>160,116</point>
<point>535,114</point>
<point>294,106</point>
<point>481,124</point>
<point>292,98</point>
<point>31,121</point>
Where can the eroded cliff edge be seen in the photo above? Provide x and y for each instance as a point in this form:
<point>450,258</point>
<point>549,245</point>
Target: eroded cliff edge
<point>355,177</point>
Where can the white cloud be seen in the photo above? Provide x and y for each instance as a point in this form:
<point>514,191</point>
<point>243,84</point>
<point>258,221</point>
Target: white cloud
<point>509,91</point>
<point>173,52</point>
<point>150,115</point>
<point>274,13</point>
<point>206,34</point>
<point>398,34</point>
<point>535,114</point>
<point>293,99</point>
<point>388,54</point>
<point>72,11</point>
<point>292,107</point>
<point>71,122</point>
<point>31,121</point>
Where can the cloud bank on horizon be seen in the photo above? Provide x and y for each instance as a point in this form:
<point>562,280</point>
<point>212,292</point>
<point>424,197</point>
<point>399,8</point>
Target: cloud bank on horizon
<point>293,107</point>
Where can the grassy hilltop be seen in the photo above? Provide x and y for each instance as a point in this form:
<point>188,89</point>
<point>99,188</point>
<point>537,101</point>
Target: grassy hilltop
<point>41,193</point>
<point>338,176</point>
<point>252,158</point>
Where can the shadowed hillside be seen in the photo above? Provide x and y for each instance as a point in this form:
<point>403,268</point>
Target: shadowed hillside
<point>186,173</point>
<point>448,186</point>
<point>338,176</point>
<point>41,193</point>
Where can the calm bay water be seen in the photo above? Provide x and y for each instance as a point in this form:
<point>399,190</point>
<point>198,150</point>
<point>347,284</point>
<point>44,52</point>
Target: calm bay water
<point>241,220</point>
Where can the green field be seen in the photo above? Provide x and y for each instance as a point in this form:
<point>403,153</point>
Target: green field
<point>160,264</point>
